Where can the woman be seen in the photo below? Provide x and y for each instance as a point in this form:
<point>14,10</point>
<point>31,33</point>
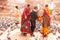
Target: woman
<point>25,22</point>
<point>46,21</point>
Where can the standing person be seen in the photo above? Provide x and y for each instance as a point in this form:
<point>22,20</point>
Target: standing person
<point>17,13</point>
<point>46,21</point>
<point>25,21</point>
<point>33,17</point>
<point>6,11</point>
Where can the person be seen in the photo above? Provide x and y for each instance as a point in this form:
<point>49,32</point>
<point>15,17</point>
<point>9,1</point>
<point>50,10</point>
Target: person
<point>46,21</point>
<point>17,13</point>
<point>6,13</point>
<point>6,10</point>
<point>33,17</point>
<point>25,22</point>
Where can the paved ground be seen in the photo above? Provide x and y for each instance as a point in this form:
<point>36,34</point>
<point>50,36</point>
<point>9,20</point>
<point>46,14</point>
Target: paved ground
<point>18,36</point>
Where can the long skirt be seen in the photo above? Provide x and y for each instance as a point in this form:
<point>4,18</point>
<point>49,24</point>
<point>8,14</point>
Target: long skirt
<point>26,26</point>
<point>45,31</point>
<point>45,25</point>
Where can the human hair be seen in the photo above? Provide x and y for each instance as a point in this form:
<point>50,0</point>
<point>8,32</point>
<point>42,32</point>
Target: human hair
<point>35,7</point>
<point>16,7</point>
<point>28,5</point>
<point>46,5</point>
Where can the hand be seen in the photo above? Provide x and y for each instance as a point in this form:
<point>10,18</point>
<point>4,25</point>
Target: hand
<point>25,17</point>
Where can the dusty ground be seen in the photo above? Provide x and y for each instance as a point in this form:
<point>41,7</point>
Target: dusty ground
<point>19,36</point>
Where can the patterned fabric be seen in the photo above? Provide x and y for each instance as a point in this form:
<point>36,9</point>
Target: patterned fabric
<point>45,31</point>
<point>25,23</point>
<point>26,27</point>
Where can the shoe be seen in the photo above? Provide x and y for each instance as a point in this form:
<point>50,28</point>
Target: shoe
<point>33,35</point>
<point>9,38</point>
<point>25,34</point>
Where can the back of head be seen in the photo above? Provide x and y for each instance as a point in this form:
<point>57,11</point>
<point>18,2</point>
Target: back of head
<point>28,5</point>
<point>35,7</point>
<point>46,5</point>
<point>16,7</point>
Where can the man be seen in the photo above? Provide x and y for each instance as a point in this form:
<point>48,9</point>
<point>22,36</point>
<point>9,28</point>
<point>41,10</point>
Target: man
<point>33,17</point>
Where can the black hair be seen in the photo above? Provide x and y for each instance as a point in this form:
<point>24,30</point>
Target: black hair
<point>46,5</point>
<point>16,7</point>
<point>28,5</point>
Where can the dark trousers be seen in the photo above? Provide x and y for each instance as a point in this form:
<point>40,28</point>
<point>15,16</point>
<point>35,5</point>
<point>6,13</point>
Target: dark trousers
<point>33,23</point>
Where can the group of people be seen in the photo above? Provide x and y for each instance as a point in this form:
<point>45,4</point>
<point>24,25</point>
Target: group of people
<point>29,17</point>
